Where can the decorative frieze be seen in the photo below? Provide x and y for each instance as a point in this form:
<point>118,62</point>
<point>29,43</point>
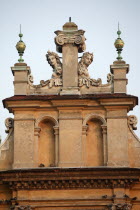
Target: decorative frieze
<point>70,184</point>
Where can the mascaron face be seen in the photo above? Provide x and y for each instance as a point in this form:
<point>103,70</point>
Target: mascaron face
<point>52,60</point>
<point>87,60</point>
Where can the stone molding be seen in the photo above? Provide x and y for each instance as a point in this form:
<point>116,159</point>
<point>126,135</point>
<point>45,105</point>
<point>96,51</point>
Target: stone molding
<point>94,116</point>
<point>45,117</point>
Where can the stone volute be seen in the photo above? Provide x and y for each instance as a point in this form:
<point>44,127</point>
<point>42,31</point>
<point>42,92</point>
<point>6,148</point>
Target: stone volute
<point>70,41</point>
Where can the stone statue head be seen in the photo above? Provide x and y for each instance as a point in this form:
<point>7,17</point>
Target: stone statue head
<point>86,59</point>
<point>53,59</point>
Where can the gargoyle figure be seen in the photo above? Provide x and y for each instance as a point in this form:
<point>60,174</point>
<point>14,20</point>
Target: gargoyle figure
<point>55,63</point>
<point>85,61</point>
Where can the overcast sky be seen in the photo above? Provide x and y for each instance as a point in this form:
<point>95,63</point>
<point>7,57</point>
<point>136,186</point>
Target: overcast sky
<point>40,18</point>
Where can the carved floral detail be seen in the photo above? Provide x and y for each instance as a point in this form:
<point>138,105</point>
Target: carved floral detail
<point>122,206</point>
<point>84,78</point>
<point>132,122</point>
<point>88,82</point>
<point>9,123</point>
<point>21,208</point>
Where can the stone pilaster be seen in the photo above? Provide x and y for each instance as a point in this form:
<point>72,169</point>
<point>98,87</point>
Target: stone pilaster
<point>70,41</point>
<point>84,154</point>
<point>104,131</point>
<point>119,69</point>
<point>20,72</point>
<point>56,133</point>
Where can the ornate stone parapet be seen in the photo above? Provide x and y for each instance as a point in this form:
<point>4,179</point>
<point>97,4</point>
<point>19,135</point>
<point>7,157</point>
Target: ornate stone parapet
<point>119,69</point>
<point>20,72</point>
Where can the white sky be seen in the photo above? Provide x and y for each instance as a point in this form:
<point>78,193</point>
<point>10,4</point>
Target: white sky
<point>40,18</point>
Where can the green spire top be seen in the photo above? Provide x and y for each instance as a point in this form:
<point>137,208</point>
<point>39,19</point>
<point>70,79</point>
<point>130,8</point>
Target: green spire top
<point>20,47</point>
<point>119,44</point>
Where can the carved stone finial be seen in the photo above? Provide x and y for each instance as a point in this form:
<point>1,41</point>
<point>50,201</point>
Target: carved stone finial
<point>9,123</point>
<point>54,61</point>
<point>132,121</point>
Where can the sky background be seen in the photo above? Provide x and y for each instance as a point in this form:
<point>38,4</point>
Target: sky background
<point>39,20</point>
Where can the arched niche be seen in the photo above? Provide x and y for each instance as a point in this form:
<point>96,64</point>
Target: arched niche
<point>46,141</point>
<point>95,140</point>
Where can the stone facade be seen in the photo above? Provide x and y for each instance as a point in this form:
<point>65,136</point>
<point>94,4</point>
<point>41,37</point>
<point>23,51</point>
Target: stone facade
<point>71,144</point>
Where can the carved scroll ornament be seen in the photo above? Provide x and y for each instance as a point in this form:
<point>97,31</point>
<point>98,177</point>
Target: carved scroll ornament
<point>9,123</point>
<point>132,122</point>
<point>110,78</point>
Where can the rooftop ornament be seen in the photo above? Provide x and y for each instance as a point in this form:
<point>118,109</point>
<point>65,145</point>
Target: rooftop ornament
<point>119,44</point>
<point>20,46</point>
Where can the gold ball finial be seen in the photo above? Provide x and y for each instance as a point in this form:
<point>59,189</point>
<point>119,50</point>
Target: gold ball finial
<point>119,44</point>
<point>20,46</point>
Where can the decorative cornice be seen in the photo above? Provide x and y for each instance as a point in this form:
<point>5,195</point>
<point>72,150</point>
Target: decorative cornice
<point>71,184</point>
<point>73,178</point>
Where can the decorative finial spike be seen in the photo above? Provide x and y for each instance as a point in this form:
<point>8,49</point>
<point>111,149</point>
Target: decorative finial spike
<point>119,44</point>
<point>118,26</point>
<point>20,28</point>
<point>69,19</point>
<point>20,47</point>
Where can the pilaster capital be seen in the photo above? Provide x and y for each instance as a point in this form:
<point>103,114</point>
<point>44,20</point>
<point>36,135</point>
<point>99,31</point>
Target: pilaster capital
<point>119,65</point>
<point>37,131</point>
<point>104,129</point>
<point>84,129</point>
<point>19,67</point>
<point>70,37</point>
<point>56,130</point>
